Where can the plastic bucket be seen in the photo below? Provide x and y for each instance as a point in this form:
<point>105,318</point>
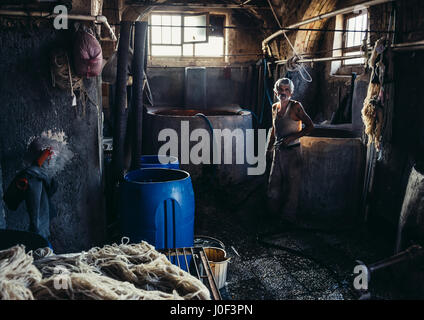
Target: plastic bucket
<point>157,205</point>
<point>219,264</point>
<point>159,161</point>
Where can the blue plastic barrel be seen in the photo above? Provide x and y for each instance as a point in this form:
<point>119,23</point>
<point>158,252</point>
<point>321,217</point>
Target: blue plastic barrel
<point>157,205</point>
<point>159,161</point>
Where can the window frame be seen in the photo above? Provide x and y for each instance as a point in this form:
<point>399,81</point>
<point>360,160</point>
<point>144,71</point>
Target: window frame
<point>151,28</point>
<point>183,57</point>
<point>183,26</point>
<point>344,48</point>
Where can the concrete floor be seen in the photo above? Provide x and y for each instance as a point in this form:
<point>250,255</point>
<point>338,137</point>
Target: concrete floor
<point>274,261</point>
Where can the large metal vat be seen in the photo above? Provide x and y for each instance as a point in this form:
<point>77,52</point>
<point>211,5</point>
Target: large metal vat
<point>228,170</point>
<point>411,220</point>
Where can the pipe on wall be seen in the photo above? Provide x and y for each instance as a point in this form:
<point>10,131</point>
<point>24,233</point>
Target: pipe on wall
<point>120,114</point>
<point>172,6</point>
<point>48,15</point>
<point>408,46</point>
<point>138,74</point>
<point>322,59</point>
<point>321,17</point>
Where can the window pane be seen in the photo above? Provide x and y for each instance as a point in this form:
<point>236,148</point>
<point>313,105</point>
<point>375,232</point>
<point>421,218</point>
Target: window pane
<point>156,35</point>
<point>354,61</point>
<point>156,19</point>
<point>364,26</point>
<point>358,23</point>
<point>217,25</point>
<point>166,50</point>
<point>166,35</point>
<point>194,34</point>
<point>364,22</point>
<point>214,47</point>
<point>350,35</point>
<point>166,20</point>
<point>176,20</point>
<point>176,35</point>
<point>358,26</point>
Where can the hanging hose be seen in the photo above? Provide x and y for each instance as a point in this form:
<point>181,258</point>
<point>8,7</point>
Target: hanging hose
<point>266,93</point>
<point>120,113</point>
<point>206,119</point>
<point>138,74</point>
<point>211,129</point>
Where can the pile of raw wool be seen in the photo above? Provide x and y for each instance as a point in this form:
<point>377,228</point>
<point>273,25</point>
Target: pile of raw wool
<point>17,274</point>
<point>114,272</point>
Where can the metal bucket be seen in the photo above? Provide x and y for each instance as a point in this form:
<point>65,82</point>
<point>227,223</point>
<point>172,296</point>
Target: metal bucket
<point>218,263</point>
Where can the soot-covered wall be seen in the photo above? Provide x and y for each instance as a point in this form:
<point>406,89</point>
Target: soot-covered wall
<point>223,87</point>
<point>30,105</point>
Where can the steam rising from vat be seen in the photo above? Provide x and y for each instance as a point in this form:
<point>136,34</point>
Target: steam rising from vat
<point>194,112</point>
<point>200,153</point>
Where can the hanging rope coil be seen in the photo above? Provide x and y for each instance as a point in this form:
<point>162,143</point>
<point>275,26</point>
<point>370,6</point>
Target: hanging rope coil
<point>209,123</point>
<point>266,96</point>
<point>62,76</point>
<point>293,65</point>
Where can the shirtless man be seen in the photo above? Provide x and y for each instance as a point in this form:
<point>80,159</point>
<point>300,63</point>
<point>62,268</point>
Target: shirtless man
<point>284,149</point>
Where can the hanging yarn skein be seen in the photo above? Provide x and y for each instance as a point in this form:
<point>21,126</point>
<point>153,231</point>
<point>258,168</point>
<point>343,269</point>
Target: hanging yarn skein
<point>61,74</point>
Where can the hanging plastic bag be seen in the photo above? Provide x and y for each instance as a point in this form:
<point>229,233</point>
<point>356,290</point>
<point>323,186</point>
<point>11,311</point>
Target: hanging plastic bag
<point>88,58</point>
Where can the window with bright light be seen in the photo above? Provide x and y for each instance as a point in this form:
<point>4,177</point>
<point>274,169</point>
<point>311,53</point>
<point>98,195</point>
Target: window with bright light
<point>186,35</point>
<point>357,31</point>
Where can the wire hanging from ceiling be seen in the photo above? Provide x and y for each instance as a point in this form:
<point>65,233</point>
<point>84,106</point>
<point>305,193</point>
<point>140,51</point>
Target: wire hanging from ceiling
<point>292,64</point>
